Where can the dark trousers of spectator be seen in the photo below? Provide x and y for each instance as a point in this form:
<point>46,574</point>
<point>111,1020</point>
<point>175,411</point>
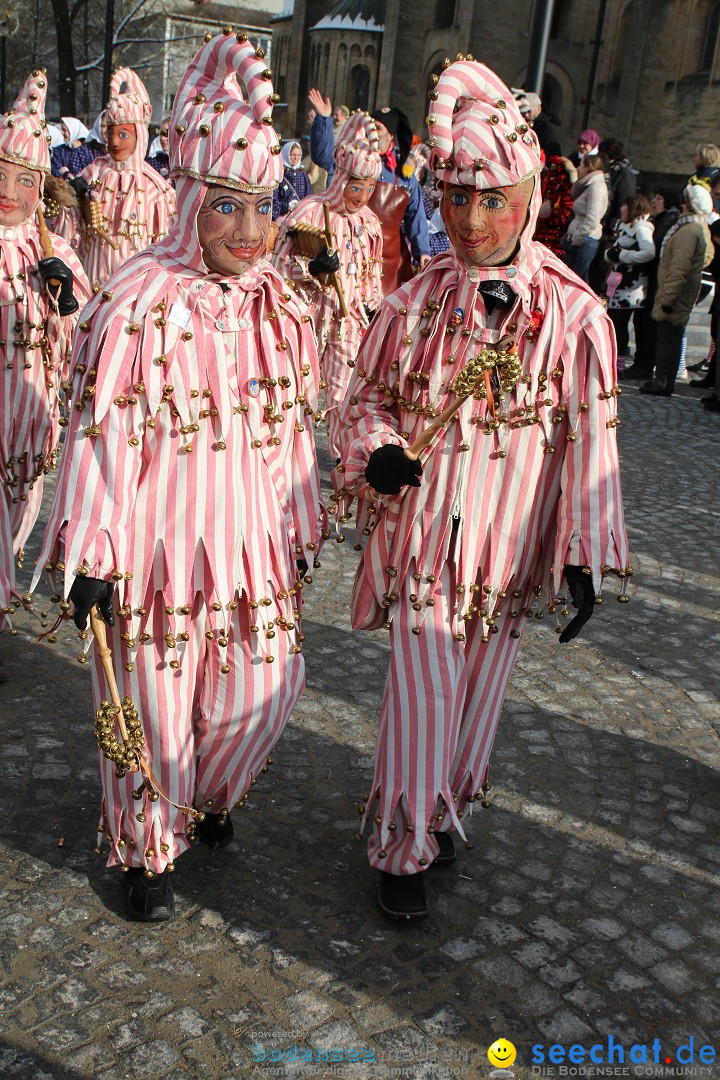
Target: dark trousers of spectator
<point>667,354</point>
<point>620,318</point>
<point>645,342</point>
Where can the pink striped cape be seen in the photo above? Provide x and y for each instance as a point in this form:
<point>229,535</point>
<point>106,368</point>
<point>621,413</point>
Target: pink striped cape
<point>36,345</point>
<point>539,490</point>
<point>191,464</point>
<point>358,240</point>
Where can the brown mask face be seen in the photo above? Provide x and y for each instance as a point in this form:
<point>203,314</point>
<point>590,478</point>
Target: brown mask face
<point>121,141</point>
<point>484,226</point>
<point>357,193</point>
<point>19,193</point>
<point>233,229</point>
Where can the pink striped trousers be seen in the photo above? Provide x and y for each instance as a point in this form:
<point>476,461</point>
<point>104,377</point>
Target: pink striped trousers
<point>208,732</point>
<point>438,721</point>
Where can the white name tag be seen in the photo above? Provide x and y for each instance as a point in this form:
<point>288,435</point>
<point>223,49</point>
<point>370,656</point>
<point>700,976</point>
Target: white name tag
<point>179,315</point>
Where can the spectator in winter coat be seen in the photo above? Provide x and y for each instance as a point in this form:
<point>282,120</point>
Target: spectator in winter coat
<point>590,199</point>
<point>74,134</point>
<point>665,212</point>
<point>620,179</point>
<point>295,184</point>
<point>557,205</point>
<point>629,255</point>
<point>588,142</point>
<point>686,250</point>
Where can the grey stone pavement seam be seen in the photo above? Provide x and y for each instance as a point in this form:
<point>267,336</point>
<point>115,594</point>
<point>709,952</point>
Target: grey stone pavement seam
<point>587,905</point>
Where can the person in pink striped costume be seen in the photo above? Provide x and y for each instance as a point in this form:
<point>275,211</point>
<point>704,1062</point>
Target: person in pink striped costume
<point>37,323</point>
<point>137,203</point>
<point>357,237</point>
<point>516,501</point>
<point>188,504</point>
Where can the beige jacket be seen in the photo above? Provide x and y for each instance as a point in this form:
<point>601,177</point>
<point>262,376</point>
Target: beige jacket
<point>686,253</point>
<point>590,201</point>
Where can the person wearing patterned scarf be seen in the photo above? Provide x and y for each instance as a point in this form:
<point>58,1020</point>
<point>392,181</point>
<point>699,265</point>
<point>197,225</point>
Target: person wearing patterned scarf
<point>489,519</point>
<point>188,505</point>
<point>357,261</point>
<point>42,287</point>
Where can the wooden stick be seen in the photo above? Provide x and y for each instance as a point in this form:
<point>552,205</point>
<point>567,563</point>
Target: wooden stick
<point>97,625</point>
<point>333,277</point>
<point>47,247</point>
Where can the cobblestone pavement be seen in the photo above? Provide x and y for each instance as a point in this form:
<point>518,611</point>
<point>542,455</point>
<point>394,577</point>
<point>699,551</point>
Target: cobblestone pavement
<point>587,908</point>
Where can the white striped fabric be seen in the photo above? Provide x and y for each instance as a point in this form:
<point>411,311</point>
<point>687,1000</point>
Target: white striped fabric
<point>137,207</point>
<point>35,343</point>
<point>214,133</point>
<point>478,135</point>
<point>535,488</point>
<point>357,238</point>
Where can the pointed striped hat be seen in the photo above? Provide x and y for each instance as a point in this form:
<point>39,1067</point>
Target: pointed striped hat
<point>477,133</point>
<point>129,101</point>
<point>218,136</point>
<point>24,138</point>
<point>356,150</point>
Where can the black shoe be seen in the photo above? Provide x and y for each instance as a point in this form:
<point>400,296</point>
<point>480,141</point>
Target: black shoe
<point>215,830</point>
<point>655,389</point>
<point>702,365</point>
<point>148,899</point>
<point>635,372</point>
<point>703,384</point>
<point>402,896</point>
<point>711,403</point>
<point>447,849</point>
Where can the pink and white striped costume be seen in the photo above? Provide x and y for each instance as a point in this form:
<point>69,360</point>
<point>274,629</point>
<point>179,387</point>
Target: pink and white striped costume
<point>357,238</point>
<point>190,479</point>
<point>36,342</point>
<point>137,203</point>
<point>455,567</point>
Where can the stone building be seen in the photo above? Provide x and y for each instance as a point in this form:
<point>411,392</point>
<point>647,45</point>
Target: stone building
<point>655,86</point>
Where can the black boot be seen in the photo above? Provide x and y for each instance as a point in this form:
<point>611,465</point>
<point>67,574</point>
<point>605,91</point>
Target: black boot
<point>215,830</point>
<point>402,896</point>
<point>711,403</point>
<point>447,849</point>
<point>148,899</point>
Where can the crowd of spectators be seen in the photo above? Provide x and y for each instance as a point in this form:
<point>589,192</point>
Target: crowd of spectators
<point>645,253</point>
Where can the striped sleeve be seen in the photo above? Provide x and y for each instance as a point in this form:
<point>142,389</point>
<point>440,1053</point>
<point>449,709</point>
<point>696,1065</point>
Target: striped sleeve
<point>591,525</point>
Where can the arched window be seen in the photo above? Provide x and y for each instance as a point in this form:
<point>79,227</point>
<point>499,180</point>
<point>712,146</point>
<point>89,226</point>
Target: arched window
<point>444,14</point>
<point>711,36</point>
<point>360,83</point>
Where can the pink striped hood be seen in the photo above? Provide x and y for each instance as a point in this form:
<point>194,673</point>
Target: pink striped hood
<point>129,103</point>
<point>216,135</point>
<point>477,133</point>
<point>24,138</point>
<point>197,405</point>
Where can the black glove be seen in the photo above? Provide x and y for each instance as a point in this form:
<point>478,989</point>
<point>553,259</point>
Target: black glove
<point>324,263</point>
<point>613,254</point>
<point>80,186</point>
<point>55,270</point>
<point>87,591</point>
<point>302,567</point>
<point>389,469</point>
<point>370,312</point>
<point>582,592</point>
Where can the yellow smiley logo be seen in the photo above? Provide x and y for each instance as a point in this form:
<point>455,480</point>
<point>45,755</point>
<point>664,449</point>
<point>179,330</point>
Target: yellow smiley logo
<point>502,1053</point>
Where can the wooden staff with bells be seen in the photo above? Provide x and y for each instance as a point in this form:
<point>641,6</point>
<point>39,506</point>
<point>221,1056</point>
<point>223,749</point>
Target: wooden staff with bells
<point>476,375</point>
<point>128,752</point>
